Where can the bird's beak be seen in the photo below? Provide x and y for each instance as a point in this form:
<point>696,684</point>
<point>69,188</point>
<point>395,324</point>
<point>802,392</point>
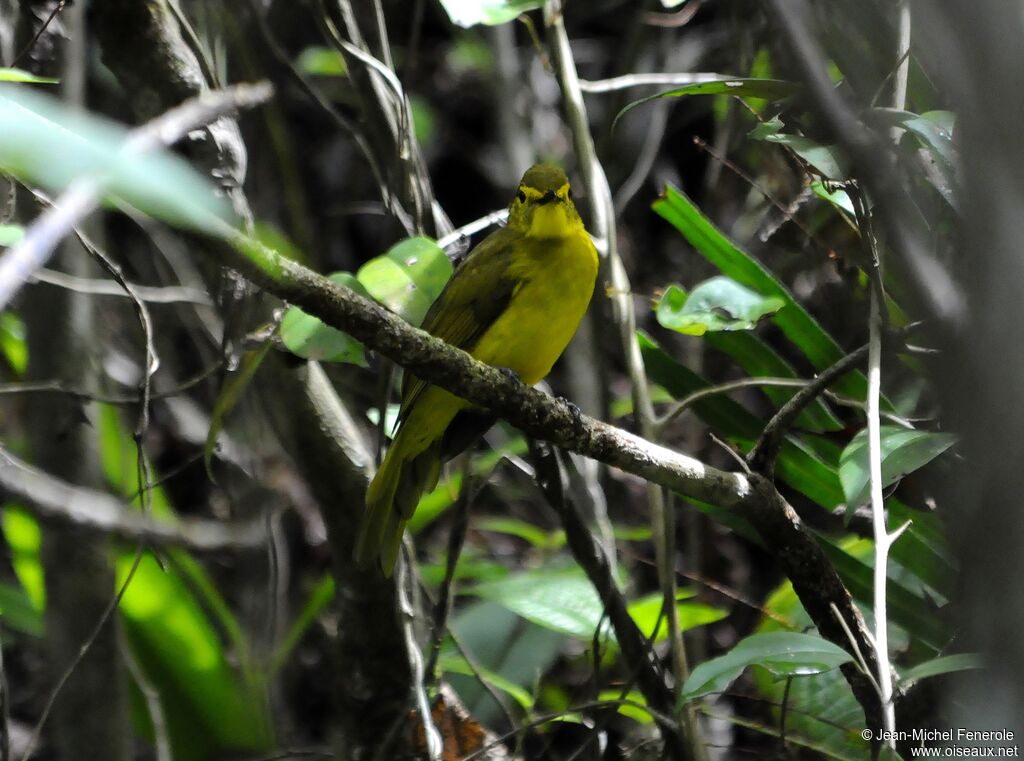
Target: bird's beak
<point>548,197</point>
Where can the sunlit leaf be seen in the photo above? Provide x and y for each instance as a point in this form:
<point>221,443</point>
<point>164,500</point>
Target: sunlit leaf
<point>793,320</point>
<point>715,305</point>
<point>467,13</point>
<point>742,87</point>
<point>782,653</point>
<point>903,452</point>
<point>20,75</point>
<point>11,234</point>
<point>321,61</point>
<point>308,337</point>
<point>946,664</point>
<point>408,277</point>
<point>44,142</point>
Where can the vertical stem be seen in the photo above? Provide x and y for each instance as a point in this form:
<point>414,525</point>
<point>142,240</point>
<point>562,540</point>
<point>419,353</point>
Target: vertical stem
<point>883,540</point>
<point>603,229</point>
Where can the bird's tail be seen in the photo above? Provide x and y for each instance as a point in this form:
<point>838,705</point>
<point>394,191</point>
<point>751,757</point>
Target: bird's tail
<point>405,474</point>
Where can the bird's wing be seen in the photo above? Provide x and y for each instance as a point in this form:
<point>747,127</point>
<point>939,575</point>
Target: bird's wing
<point>473,299</point>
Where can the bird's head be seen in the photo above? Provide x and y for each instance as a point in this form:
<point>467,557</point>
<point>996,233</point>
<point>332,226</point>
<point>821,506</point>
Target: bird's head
<point>543,206</point>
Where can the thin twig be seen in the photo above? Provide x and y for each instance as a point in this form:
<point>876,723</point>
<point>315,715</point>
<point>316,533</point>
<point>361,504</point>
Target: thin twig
<point>434,743</point>
<point>97,511</point>
<point>626,81</point>
<point>762,457</point>
<point>162,294</point>
<point>603,228</point>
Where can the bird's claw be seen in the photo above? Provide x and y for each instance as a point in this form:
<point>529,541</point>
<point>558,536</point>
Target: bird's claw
<point>575,413</point>
<point>510,373</point>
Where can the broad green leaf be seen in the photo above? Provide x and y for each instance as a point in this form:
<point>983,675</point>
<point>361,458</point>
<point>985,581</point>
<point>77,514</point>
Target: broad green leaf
<point>502,643</point>
<point>903,452</point>
<point>718,304</point>
<point>946,664</point>
<point>793,320</point>
<point>837,197</point>
<point>823,158</point>
<point>564,600</point>
<point>11,234</point>
<point>559,599</point>
<point>24,537</point>
<point>646,612</point>
<point>784,654</point>
<point>307,337</point>
<point>467,13</point>
<point>12,342</point>
<point>741,87</point>
<point>934,129</point>
<point>636,712</point>
<point>450,662</point>
<point>799,466</point>
<point>22,76</point>
<point>408,277</point>
<point>46,143</point>
<point>906,608</point>
<point>321,61</point>
<point>175,619</point>
<point>758,359</point>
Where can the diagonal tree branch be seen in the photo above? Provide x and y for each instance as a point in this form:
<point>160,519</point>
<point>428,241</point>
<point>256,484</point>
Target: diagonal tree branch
<point>553,420</point>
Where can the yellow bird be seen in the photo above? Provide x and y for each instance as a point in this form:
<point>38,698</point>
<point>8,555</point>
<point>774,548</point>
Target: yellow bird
<point>514,303</point>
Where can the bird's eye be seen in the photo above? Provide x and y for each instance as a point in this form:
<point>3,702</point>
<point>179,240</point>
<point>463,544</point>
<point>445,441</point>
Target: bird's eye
<point>521,196</point>
<point>568,194</point>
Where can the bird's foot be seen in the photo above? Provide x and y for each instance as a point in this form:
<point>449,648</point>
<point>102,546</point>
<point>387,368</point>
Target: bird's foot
<point>576,414</point>
<point>510,373</point>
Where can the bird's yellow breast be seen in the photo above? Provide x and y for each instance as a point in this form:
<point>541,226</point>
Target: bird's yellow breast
<point>555,279</point>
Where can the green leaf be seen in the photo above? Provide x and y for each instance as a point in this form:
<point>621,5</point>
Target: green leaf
<point>502,643</point>
<point>319,598</point>
<point>451,662</point>
<point>559,599</point>
<point>12,342</point>
<point>521,529</point>
<point>838,197</point>
<point>715,305</point>
<point>758,359</point>
<point>322,62</point>
<point>24,537</point>
<point>903,452</point>
<point>906,608</point>
<point>35,128</point>
<point>946,664</point>
<point>467,13</point>
<point>933,129</point>
<point>824,159</point>
<point>308,337</point>
<point>742,87</point>
<point>11,234</point>
<point>646,612</point>
<point>19,75</point>
<point>793,320</point>
<point>408,277</point>
<point>18,613</point>
<point>234,386</point>
<point>564,600</point>
<point>784,654</point>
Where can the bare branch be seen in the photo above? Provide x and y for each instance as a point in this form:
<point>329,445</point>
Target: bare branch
<point>58,500</point>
